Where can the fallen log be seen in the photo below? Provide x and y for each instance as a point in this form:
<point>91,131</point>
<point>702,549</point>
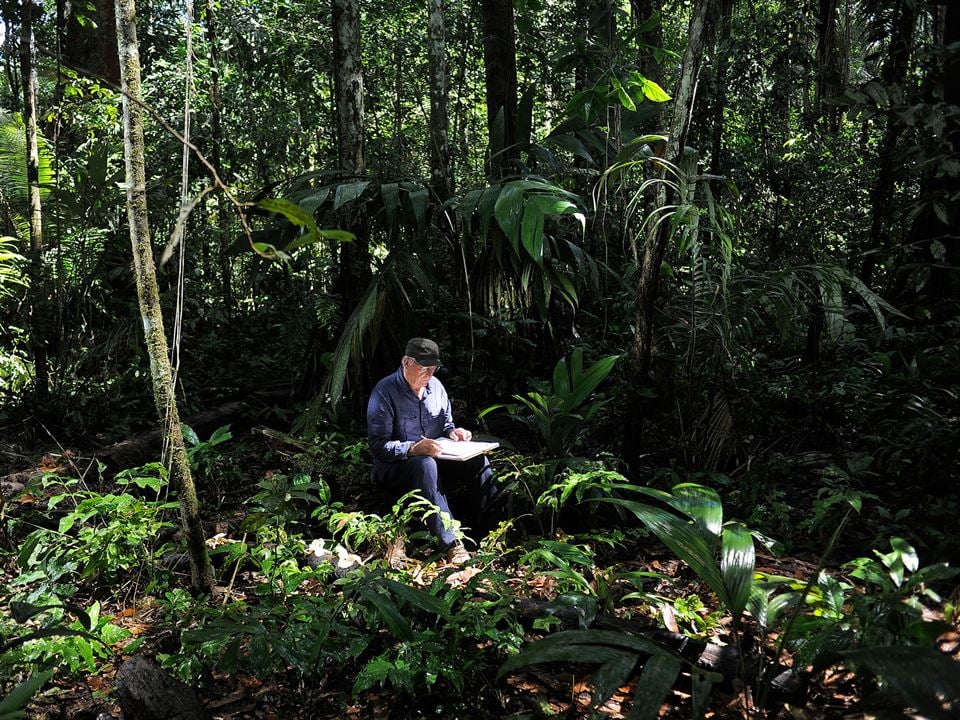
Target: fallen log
<point>146,446</point>
<point>148,693</point>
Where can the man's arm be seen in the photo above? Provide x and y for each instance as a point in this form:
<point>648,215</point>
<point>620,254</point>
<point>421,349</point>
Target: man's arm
<point>380,416</point>
<point>450,429</point>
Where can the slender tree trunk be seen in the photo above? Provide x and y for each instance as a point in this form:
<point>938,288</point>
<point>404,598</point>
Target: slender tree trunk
<point>722,63</point>
<point>500,66</point>
<point>440,176</point>
<point>39,312</point>
<point>932,242</point>
<point>149,295</point>
<point>29,75</point>
<point>894,75</point>
<point>828,64</point>
<point>656,243</point>
<point>354,275</point>
<point>216,157</point>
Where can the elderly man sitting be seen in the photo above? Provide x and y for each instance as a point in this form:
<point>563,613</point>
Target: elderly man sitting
<point>407,411</point>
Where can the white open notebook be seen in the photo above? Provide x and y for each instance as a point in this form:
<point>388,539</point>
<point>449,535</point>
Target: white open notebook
<point>463,449</point>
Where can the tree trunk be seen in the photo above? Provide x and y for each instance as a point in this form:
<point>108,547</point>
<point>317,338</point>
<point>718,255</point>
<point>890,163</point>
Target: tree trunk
<point>932,246</point>
<point>829,71</point>
<point>28,72</point>
<point>38,311</point>
<point>723,52</point>
<point>894,75</point>
<point>91,45</point>
<point>656,243</point>
<point>354,274</point>
<point>149,295</point>
<point>500,66</point>
<point>440,177</point>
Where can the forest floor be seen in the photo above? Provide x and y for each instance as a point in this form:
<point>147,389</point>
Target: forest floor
<point>551,690</point>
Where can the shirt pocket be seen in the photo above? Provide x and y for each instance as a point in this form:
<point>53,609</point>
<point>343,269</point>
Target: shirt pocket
<point>409,422</point>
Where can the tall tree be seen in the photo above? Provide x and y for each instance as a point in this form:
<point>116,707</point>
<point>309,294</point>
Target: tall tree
<point>893,76</point>
<point>354,272</point>
<point>500,68</point>
<point>829,61</point>
<point>28,80</point>
<point>440,177</point>
<point>656,243</point>
<point>28,73</point>
<point>148,295</point>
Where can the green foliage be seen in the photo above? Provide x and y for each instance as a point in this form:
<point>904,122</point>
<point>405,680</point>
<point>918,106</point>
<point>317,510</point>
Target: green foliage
<point>721,555</point>
<point>617,654</point>
<point>11,706</point>
<point>560,414</point>
<point>282,502</point>
<point>102,536</point>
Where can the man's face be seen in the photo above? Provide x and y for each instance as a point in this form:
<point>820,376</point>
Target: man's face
<point>417,375</point>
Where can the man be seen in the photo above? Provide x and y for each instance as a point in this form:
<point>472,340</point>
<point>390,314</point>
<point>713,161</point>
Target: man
<point>407,411</point>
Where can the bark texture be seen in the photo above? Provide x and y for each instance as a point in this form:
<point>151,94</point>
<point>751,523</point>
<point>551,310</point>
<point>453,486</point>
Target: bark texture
<point>38,311</point>
<point>148,693</point>
<point>440,177</point>
<point>348,83</point>
<point>500,67</point>
<point>149,296</point>
<point>354,275</point>
<point>28,71</point>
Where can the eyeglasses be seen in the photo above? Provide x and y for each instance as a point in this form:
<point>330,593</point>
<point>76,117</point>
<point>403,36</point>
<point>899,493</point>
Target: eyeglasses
<point>424,369</point>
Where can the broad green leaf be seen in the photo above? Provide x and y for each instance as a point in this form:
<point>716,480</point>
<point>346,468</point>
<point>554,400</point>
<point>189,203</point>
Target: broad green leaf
<point>390,613</point>
<point>652,91</point>
<point>737,560</point>
<point>702,505</point>
<point>701,686</point>
<point>418,203</point>
<point>348,192</point>
<point>509,211</point>
<point>532,232</point>
<point>612,675</point>
<point>587,646</point>
<point>10,706</point>
<point>685,542</point>
<point>189,434</point>
<point>561,378</point>
<point>466,208</point>
<point>925,679</point>
<point>419,598</point>
<point>390,193</point>
<point>572,144</point>
<point>291,211</point>
<point>487,207</point>
<point>585,383</point>
<point>659,674</point>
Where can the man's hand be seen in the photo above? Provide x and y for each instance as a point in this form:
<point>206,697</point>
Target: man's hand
<point>459,434</point>
<point>425,446</point>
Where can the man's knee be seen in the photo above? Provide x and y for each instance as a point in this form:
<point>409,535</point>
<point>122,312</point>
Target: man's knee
<point>422,470</point>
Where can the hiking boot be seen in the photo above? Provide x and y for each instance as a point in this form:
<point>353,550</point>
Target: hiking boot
<point>457,554</point>
<point>396,554</point>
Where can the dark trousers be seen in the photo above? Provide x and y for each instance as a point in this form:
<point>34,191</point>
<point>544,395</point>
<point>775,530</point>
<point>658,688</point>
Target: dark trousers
<point>471,480</point>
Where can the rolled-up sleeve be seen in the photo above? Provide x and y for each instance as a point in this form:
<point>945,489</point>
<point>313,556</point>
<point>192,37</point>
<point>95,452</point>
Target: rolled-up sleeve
<point>380,423</point>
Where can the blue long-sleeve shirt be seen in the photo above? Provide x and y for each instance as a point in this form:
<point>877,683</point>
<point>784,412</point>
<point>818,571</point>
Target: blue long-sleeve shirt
<point>397,418</point>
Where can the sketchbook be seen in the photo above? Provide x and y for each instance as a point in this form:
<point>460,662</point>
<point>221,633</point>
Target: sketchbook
<point>463,449</point>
